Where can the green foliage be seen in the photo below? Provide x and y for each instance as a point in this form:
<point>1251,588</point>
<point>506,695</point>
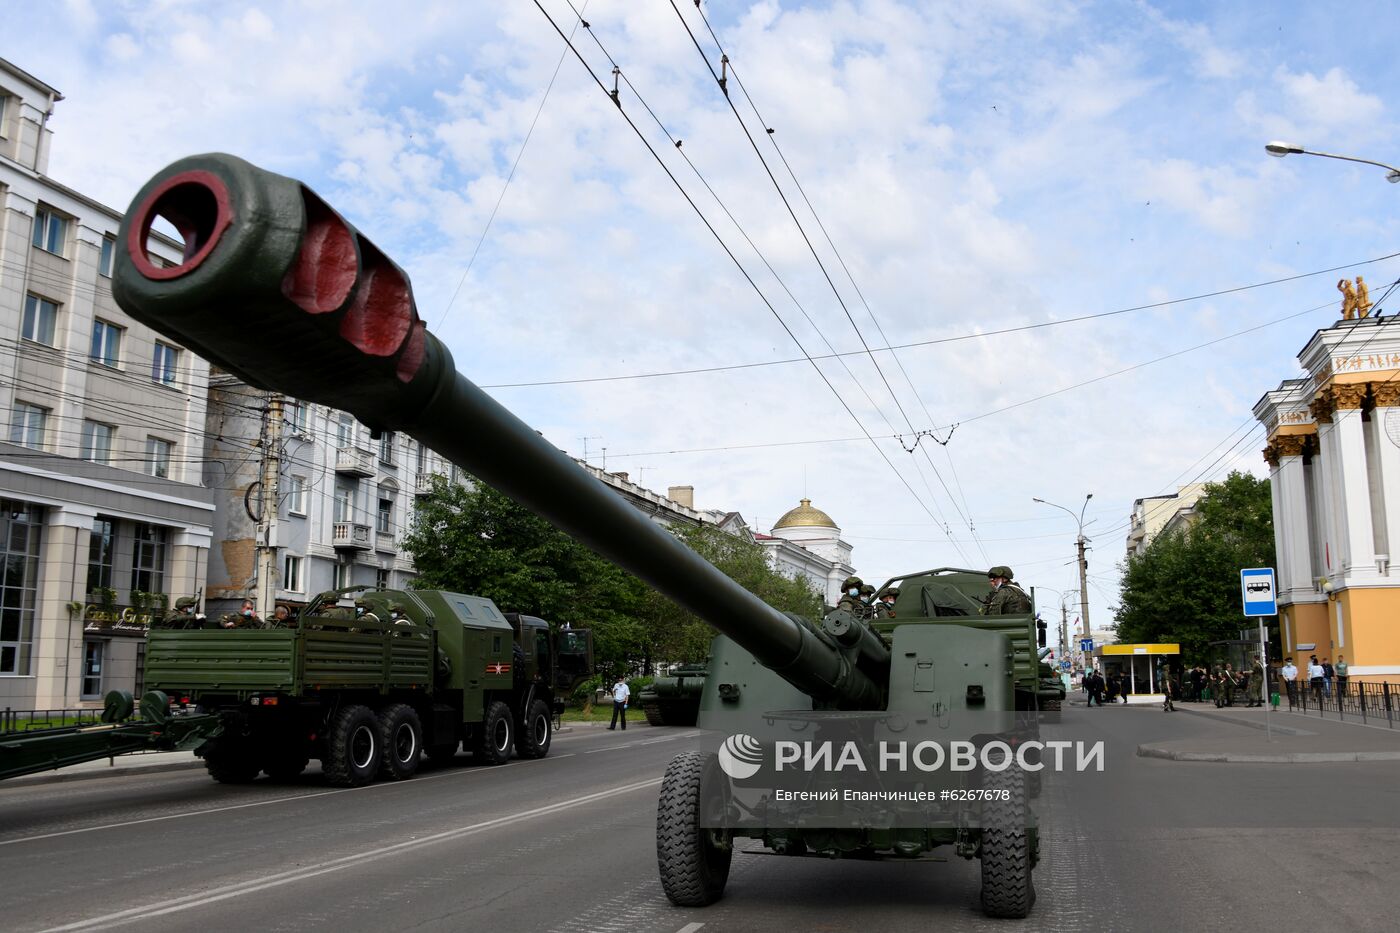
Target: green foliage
<point>1185,587</point>
<point>476,540</point>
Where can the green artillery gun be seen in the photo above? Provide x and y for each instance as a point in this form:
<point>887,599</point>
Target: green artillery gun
<point>278,289</point>
<point>674,699</point>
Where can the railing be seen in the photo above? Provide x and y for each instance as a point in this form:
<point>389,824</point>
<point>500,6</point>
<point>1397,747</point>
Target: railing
<point>350,535</point>
<point>1366,702</point>
<point>355,461</point>
<point>27,720</point>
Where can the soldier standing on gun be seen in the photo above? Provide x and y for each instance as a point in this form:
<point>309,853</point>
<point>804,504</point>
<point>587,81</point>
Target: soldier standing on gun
<point>1006,597</point>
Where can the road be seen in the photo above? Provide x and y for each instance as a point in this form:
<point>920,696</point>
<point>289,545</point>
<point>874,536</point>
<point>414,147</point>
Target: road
<point>567,844</point>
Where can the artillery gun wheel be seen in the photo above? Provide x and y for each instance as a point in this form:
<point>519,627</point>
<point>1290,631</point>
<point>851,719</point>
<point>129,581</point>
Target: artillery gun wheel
<point>536,732</point>
<point>497,734</point>
<point>1007,887</point>
<point>230,762</point>
<point>401,737</point>
<point>352,747</point>
<point>693,869</point>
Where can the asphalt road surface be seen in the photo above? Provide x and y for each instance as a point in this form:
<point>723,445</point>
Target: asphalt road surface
<point>567,844</point>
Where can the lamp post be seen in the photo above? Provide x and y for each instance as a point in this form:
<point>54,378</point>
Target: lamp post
<point>1066,650</point>
<point>1083,563</point>
<point>1281,149</point>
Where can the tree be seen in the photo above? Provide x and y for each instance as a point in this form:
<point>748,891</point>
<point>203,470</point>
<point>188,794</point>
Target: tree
<point>1185,587</point>
<point>476,540</point>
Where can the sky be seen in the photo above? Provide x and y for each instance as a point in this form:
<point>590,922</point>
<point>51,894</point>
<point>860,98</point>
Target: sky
<point>936,176</point>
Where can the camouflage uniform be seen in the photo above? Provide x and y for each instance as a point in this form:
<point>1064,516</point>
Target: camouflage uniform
<point>849,603</point>
<point>885,610</point>
<point>1256,683</point>
<point>1007,599</point>
<point>186,614</point>
<point>867,601</point>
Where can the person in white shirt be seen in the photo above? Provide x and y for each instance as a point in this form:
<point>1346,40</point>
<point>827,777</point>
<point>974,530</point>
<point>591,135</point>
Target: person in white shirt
<point>620,695</point>
<point>1290,681</point>
<point>1315,679</point>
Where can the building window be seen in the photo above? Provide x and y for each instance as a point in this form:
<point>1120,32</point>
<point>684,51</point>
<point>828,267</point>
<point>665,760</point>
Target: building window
<point>40,316</point>
<point>109,252</point>
<point>421,453</point>
<point>163,364</point>
<point>101,546</point>
<point>106,343</point>
<point>158,457</point>
<point>97,441</point>
<point>344,576</point>
<point>384,521</point>
<point>344,503</point>
<point>28,425</point>
<point>291,574</point>
<point>50,230</point>
<point>148,559</point>
<point>381,579</point>
<point>386,447</point>
<point>21,526</point>
<point>345,430</point>
<point>294,416</point>
<point>296,495</point>
<point>92,669</point>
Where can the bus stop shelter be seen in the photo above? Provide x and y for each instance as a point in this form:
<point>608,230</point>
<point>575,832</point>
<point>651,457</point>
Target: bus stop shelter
<point>1138,666</point>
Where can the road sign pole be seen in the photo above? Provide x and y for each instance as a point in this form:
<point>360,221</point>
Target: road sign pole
<point>1267,687</point>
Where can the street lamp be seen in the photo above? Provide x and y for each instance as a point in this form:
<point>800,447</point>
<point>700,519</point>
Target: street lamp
<point>1083,564</point>
<point>1281,149</point>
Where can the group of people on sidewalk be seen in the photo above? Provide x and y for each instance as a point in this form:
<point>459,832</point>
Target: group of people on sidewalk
<point>1322,676</point>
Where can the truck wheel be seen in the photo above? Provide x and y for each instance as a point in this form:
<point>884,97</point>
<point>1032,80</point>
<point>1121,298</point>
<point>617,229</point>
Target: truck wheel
<point>230,762</point>
<point>1007,888</point>
<point>401,735</point>
<point>693,869</point>
<point>352,746</point>
<point>536,732</point>
<point>497,734</point>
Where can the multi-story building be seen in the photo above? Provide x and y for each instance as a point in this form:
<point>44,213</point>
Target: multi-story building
<point>103,518</point>
<point>1334,458</point>
<point>1153,515</point>
<point>805,543</point>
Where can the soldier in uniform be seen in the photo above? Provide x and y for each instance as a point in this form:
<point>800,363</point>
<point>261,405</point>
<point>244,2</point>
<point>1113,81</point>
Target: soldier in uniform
<point>1256,683</point>
<point>884,603</point>
<point>850,596</point>
<point>1006,597</point>
<point>246,617</point>
<point>186,614</point>
<point>867,599</point>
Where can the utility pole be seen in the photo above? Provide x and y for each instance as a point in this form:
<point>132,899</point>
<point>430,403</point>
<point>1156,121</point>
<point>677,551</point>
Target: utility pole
<point>271,443</point>
<point>1083,584</point>
<point>1064,631</point>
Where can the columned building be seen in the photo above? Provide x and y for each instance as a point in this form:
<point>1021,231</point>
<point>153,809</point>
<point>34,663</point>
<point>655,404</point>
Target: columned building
<point>806,543</point>
<point>103,518</point>
<point>1334,455</point>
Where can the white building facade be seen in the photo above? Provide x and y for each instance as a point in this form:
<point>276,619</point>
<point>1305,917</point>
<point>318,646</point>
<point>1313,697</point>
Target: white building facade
<point>806,543</point>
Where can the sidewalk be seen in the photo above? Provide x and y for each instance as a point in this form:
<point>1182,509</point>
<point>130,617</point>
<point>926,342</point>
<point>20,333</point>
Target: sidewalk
<point>1296,739</point>
<point>121,766</point>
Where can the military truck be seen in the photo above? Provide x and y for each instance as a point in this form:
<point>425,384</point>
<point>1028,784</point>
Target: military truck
<point>280,290</point>
<point>369,680</point>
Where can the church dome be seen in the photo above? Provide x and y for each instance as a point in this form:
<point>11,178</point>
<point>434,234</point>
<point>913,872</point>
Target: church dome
<point>804,516</point>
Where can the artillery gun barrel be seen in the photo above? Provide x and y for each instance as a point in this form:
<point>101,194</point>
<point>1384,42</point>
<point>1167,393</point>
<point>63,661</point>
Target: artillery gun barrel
<point>278,289</point>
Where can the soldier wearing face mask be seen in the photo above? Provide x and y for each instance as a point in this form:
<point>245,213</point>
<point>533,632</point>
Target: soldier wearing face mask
<point>884,604</point>
<point>850,596</point>
<point>246,617</point>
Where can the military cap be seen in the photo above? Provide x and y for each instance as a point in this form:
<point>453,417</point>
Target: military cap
<point>890,591</point>
<point>850,582</point>
<point>866,589</point>
<point>186,602</point>
<point>1000,570</point>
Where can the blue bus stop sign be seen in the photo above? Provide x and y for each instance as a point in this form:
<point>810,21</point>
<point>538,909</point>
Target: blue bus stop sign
<point>1257,589</point>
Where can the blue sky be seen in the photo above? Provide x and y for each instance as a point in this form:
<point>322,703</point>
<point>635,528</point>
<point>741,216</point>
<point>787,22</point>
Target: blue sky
<point>979,165</point>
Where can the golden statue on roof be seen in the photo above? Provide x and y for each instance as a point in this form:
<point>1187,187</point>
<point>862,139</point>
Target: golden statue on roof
<point>1356,299</point>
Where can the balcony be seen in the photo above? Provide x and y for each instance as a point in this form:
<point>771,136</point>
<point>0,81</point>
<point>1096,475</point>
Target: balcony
<point>385,541</point>
<point>351,536</point>
<point>423,486</point>
<point>354,461</point>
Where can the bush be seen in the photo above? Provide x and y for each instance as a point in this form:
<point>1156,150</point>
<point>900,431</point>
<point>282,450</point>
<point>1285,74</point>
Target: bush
<point>584,691</point>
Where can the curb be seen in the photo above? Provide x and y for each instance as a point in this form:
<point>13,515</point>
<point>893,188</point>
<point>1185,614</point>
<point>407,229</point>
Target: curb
<point>1281,730</point>
<point>59,776</point>
<point>1292,758</point>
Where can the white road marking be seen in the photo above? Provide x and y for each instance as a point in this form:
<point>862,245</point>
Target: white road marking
<point>610,748</point>
<point>690,928</point>
<point>226,892</point>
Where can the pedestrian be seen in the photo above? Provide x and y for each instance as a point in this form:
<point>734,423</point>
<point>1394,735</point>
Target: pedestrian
<point>620,695</point>
<point>1112,687</point>
<point>1315,679</point>
<point>1256,683</point>
<point>1290,682</point>
<point>1164,677</point>
<point>1341,669</point>
<point>1091,687</point>
<point>1327,674</point>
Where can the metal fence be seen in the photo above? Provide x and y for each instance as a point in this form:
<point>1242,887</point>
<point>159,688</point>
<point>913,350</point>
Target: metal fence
<point>1350,699</point>
<point>27,720</point>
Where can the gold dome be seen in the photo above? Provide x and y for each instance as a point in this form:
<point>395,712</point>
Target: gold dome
<point>804,516</point>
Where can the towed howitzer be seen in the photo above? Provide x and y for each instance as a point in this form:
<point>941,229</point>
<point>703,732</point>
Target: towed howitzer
<point>279,290</point>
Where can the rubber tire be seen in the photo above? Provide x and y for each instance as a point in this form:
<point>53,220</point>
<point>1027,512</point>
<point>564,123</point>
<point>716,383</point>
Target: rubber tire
<point>1008,890</point>
<point>527,741</point>
<point>230,762</point>
<point>693,870</point>
<point>348,762</point>
<point>399,725</point>
<point>497,734</point>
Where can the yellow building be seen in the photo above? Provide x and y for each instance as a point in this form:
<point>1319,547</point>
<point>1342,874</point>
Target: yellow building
<point>1334,454</point>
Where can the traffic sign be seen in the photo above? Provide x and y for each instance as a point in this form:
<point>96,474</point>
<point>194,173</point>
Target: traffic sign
<point>1086,645</point>
<point>1257,590</point>
<point>1064,665</point>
